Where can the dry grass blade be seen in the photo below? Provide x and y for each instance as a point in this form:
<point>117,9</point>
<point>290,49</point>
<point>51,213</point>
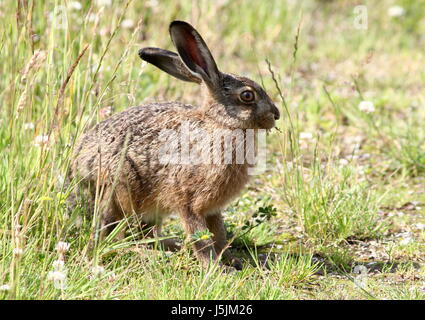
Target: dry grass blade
<point>59,103</point>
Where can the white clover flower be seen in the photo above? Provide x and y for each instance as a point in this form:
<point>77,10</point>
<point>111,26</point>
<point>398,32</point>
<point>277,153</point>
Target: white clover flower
<point>18,252</point>
<point>127,24</point>
<point>105,112</point>
<point>343,162</point>
<point>58,265</point>
<point>97,270</point>
<point>4,287</point>
<point>405,241</point>
<point>366,106</point>
<point>289,165</point>
<point>41,140</point>
<point>92,17</point>
<point>62,247</point>
<point>151,3</point>
<point>28,126</point>
<point>59,17</point>
<point>106,3</point>
<point>61,178</point>
<point>306,136</point>
<point>75,5</point>
<point>35,38</point>
<point>221,3</point>
<point>420,226</point>
<point>396,11</point>
<point>56,276</point>
<point>112,276</point>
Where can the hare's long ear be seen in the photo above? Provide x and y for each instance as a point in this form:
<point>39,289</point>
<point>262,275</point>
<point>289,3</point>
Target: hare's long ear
<point>169,62</point>
<point>194,53</point>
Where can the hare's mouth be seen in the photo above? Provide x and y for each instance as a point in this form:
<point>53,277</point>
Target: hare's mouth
<point>268,122</point>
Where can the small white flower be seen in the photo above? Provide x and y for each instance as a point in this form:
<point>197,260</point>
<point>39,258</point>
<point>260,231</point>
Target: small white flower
<point>399,213</point>
<point>75,5</point>
<point>56,276</point>
<point>395,11</point>
<point>62,247</point>
<point>35,38</point>
<point>41,140</point>
<point>97,270</point>
<point>289,165</point>
<point>112,276</point>
<point>221,3</point>
<point>103,32</point>
<point>4,287</point>
<point>127,24</point>
<point>106,3</point>
<point>28,126</point>
<point>306,136</point>
<point>59,17</point>
<point>420,226</point>
<point>366,106</point>
<point>18,252</point>
<point>151,3</point>
<point>61,179</point>
<point>105,112</point>
<point>58,265</point>
<point>92,17</point>
<point>343,162</point>
<point>405,241</point>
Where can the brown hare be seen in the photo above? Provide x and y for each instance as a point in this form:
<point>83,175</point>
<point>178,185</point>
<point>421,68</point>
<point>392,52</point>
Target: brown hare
<point>122,155</point>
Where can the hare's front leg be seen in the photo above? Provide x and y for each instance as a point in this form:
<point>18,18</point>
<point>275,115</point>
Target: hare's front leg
<point>110,215</point>
<point>204,248</point>
<point>215,224</point>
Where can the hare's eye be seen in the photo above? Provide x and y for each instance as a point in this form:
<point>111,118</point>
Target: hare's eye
<point>247,96</point>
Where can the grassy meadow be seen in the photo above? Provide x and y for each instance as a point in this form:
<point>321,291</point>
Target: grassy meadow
<point>340,212</point>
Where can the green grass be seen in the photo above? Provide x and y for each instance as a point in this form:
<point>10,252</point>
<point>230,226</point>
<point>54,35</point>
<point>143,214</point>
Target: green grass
<point>344,188</point>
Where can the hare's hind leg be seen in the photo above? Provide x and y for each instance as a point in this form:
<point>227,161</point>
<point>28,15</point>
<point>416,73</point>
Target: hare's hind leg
<point>215,225</point>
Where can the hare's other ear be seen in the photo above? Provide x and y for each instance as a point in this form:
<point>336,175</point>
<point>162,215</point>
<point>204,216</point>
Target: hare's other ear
<point>169,62</point>
<point>194,53</point>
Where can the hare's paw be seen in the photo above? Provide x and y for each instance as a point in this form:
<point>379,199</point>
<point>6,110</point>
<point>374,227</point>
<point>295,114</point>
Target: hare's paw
<point>233,262</point>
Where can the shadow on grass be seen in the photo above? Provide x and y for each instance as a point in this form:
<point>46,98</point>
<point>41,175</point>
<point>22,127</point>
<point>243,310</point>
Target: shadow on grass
<point>331,260</point>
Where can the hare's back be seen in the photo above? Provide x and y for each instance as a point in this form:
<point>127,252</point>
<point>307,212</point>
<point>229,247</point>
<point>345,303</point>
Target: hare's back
<point>125,134</point>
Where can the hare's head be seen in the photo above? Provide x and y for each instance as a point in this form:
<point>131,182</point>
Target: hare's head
<point>233,100</point>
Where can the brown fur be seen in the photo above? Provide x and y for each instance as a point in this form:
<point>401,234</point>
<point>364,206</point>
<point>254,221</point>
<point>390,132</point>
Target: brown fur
<point>122,154</point>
